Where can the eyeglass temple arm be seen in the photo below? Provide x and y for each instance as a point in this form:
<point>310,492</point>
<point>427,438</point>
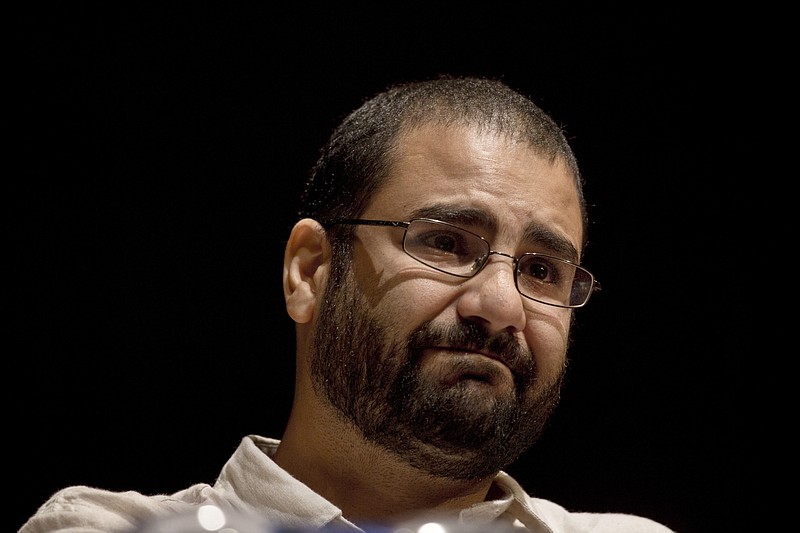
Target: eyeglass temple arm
<point>362,222</point>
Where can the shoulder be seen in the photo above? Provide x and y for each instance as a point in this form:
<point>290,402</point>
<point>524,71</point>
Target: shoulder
<point>89,509</point>
<point>539,514</point>
<point>563,520</point>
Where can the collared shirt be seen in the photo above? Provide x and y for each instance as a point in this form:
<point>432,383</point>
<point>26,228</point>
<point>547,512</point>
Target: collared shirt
<point>251,483</point>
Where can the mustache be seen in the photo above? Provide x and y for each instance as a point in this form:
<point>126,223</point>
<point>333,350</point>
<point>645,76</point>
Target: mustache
<point>470,336</point>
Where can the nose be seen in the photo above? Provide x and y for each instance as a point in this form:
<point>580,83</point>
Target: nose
<point>491,297</point>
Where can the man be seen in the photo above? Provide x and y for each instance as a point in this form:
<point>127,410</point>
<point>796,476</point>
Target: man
<point>433,278</point>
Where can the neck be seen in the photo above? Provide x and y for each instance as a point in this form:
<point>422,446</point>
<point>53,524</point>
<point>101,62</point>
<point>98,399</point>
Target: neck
<point>369,484</point>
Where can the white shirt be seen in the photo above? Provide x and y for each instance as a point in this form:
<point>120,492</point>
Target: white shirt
<point>253,484</point>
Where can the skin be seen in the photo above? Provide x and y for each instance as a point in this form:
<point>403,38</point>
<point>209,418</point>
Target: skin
<point>455,168</point>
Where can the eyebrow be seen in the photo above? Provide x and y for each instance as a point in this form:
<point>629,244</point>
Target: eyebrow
<point>457,215</point>
<point>534,233</point>
<point>553,242</point>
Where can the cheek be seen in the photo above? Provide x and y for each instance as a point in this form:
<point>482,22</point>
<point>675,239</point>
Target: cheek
<point>403,299</point>
<point>413,301</point>
<point>402,288</point>
<point>548,338</point>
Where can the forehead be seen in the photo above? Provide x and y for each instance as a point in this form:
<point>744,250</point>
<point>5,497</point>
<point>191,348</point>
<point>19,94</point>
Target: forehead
<point>517,192</point>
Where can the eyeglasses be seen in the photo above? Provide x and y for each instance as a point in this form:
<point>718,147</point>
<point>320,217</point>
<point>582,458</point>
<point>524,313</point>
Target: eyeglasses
<point>459,252</point>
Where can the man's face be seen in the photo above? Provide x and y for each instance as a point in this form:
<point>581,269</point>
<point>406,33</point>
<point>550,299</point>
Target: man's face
<point>456,376</point>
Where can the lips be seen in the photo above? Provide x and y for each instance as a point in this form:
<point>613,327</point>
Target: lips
<point>454,365</point>
<point>468,346</point>
<point>473,351</point>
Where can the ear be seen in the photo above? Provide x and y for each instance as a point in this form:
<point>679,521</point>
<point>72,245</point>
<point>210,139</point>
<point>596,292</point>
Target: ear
<point>305,269</point>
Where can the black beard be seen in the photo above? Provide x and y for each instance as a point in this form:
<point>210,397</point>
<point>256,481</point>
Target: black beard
<point>375,383</point>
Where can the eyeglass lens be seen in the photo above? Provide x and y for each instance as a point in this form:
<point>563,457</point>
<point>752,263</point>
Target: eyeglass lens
<point>445,247</point>
<point>462,253</point>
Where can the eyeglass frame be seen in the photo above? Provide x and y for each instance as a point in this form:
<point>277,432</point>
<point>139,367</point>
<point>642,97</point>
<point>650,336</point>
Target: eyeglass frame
<point>404,225</point>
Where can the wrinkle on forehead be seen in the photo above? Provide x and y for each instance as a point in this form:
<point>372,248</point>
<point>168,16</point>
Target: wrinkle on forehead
<point>445,172</point>
<point>533,233</point>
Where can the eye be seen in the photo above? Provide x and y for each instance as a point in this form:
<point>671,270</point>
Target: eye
<point>444,241</point>
<point>445,247</point>
<point>540,269</point>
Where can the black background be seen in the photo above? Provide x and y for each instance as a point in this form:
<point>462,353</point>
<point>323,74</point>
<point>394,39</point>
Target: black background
<point>158,154</point>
